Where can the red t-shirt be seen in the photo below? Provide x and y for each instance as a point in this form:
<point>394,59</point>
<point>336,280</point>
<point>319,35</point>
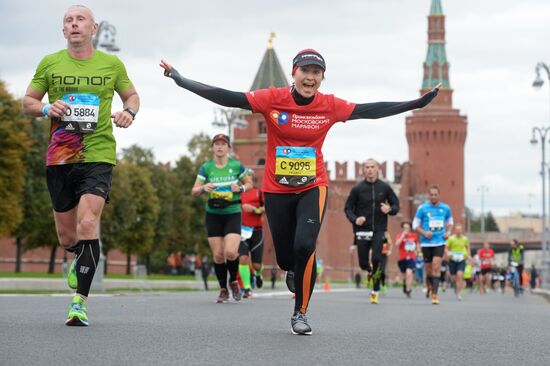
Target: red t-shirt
<point>407,248</point>
<point>485,256</point>
<point>254,198</point>
<point>295,136</point>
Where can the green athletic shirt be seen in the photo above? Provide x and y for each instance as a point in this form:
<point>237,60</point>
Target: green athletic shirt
<point>458,244</point>
<point>468,271</point>
<point>86,135</point>
<point>232,172</point>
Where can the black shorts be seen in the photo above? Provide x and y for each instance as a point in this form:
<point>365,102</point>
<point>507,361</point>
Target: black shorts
<point>431,252</point>
<point>485,271</point>
<point>405,264</point>
<point>455,267</point>
<point>67,183</point>
<point>221,225</point>
<point>254,245</point>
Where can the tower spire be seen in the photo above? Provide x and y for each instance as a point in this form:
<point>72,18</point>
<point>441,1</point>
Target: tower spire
<point>436,66</point>
<point>436,8</point>
<point>270,73</point>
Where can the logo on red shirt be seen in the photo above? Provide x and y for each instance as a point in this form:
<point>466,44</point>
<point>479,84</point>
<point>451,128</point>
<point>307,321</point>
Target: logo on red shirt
<point>280,117</point>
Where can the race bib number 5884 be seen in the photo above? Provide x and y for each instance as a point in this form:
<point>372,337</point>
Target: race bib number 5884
<point>83,113</point>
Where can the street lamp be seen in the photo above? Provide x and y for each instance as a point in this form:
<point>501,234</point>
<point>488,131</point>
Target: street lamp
<point>105,37</point>
<point>483,190</point>
<point>542,134</point>
<point>230,118</point>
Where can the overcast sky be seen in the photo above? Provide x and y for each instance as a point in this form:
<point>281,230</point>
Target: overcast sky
<point>374,51</point>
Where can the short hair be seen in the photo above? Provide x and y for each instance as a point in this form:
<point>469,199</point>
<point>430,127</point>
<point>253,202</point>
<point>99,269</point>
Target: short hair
<point>371,159</point>
<point>83,7</point>
<point>434,186</point>
<point>406,222</point>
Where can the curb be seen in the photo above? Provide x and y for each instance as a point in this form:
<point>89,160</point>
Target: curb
<point>542,292</point>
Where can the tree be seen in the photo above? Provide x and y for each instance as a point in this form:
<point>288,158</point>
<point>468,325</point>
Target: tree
<point>200,148</point>
<point>119,212</point>
<point>38,227</point>
<point>164,182</point>
<point>475,222</point>
<point>14,143</point>
<point>129,222</point>
<point>490,223</point>
<point>139,156</point>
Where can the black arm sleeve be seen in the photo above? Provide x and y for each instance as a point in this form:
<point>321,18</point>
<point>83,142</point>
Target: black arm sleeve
<point>224,97</point>
<point>349,208</point>
<point>385,109</point>
<point>394,203</point>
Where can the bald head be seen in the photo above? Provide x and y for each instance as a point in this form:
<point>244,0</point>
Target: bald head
<point>79,8</point>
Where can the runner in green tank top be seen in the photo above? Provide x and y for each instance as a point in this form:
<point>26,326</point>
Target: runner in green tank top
<point>80,83</point>
<point>223,179</point>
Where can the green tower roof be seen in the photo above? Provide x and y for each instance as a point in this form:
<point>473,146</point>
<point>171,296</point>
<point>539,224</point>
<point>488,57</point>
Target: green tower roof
<point>270,73</point>
<point>436,57</point>
<point>436,8</point>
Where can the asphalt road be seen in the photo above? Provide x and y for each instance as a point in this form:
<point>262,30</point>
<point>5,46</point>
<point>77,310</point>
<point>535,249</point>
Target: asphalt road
<point>189,328</point>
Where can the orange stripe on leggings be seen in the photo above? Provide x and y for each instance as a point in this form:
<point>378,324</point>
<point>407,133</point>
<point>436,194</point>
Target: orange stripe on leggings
<point>322,199</point>
<point>306,289</point>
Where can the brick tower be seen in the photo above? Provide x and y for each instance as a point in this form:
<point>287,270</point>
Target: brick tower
<point>437,133</point>
<point>251,142</point>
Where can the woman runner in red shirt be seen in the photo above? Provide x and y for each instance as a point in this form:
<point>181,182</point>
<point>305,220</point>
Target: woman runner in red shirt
<point>298,119</point>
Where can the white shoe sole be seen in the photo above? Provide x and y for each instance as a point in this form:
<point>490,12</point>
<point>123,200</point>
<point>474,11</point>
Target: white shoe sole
<point>295,333</point>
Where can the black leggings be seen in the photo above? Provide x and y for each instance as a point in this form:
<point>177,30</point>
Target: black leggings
<point>295,221</point>
<point>363,249</point>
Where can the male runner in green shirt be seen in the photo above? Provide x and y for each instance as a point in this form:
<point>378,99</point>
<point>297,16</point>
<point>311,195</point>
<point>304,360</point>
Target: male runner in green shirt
<point>80,82</point>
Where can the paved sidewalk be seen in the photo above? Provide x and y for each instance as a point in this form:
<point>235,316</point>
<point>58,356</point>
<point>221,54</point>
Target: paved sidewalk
<point>60,284</point>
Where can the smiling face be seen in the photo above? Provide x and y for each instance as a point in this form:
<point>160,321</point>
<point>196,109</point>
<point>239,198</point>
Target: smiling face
<point>79,26</point>
<point>307,80</point>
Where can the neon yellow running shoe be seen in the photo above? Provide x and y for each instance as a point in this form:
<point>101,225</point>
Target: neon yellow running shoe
<point>72,280</point>
<point>77,315</point>
<point>374,297</point>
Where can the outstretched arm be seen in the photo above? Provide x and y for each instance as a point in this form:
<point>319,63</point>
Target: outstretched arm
<point>224,97</point>
<point>385,109</point>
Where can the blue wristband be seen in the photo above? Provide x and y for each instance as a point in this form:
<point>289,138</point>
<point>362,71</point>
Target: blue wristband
<point>46,109</point>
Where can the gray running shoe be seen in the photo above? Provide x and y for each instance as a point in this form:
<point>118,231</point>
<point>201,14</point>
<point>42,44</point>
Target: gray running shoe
<point>223,296</point>
<point>235,290</point>
<point>290,281</point>
<point>299,324</point>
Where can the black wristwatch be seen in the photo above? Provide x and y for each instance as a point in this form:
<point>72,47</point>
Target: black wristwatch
<point>131,111</point>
